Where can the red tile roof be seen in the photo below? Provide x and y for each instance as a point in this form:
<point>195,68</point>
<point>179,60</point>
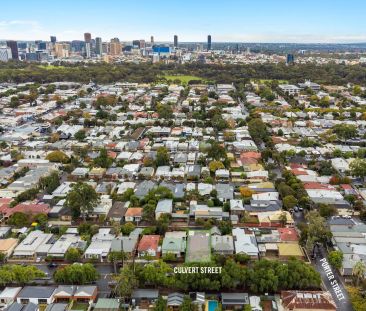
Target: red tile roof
<point>288,234</point>
<point>133,212</point>
<point>307,300</point>
<point>318,186</point>
<point>149,242</point>
<point>26,208</point>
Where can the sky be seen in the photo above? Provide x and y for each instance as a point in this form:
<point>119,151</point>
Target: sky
<point>287,21</point>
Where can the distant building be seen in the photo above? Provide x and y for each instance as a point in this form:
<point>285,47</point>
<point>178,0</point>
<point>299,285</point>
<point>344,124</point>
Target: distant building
<point>98,46</point>
<point>290,59</point>
<point>5,54</point>
<point>13,45</point>
<point>136,43</point>
<point>175,41</point>
<point>152,40</point>
<point>209,46</point>
<point>87,37</point>
<point>53,39</point>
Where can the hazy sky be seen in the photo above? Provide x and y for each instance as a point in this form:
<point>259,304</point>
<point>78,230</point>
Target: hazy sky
<point>307,21</point>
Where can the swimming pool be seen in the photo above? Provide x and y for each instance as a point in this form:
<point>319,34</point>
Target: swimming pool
<point>212,305</point>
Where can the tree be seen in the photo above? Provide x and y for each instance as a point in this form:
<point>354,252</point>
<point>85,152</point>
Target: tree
<point>165,111</point>
<point>345,131</point>
<point>162,156</point>
<point>126,282</point>
<point>76,273</point>
<point>127,228</point>
<point>358,271</point>
<point>283,219</point>
<point>246,192</point>
<point>160,304</point>
<point>257,129</point>
<point>18,274</point>
<point>57,156</point>
<point>19,220</point>
<point>326,210</point>
<point>358,168</point>
<point>81,199</point>
<point>317,228</point>
<point>289,202</point>
<point>49,183</point>
<point>73,255</point>
<point>335,259</point>
<point>103,160</point>
<point>215,165</point>
<point>80,135</point>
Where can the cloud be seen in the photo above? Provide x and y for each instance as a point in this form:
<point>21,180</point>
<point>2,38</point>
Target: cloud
<point>22,30</point>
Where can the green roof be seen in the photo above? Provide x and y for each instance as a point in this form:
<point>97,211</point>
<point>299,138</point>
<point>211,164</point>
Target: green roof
<point>107,303</point>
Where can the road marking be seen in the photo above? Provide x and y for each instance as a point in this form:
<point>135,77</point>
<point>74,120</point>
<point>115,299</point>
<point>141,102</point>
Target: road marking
<point>331,278</point>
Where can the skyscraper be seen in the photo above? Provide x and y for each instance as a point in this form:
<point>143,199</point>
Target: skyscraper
<point>98,46</point>
<point>290,59</point>
<point>175,41</point>
<point>136,43</point>
<point>87,37</point>
<point>53,39</point>
<point>208,42</point>
<point>152,40</point>
<point>13,45</point>
<point>5,54</point>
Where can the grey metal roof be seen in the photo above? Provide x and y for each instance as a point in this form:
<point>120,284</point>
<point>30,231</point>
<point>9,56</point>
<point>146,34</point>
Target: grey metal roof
<point>36,292</point>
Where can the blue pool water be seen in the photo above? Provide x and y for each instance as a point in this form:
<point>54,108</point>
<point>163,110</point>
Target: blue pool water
<point>212,305</point>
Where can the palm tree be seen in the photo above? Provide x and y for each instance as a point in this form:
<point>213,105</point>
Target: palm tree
<point>359,271</point>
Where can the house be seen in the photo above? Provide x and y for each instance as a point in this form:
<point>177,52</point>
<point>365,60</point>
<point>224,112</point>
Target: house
<point>289,250</point>
<point>100,245</point>
<point>149,245</point>
<point>64,243</point>
<point>222,244</point>
<point>39,295</point>
<point>163,207</point>
<point>107,304</point>
<point>15,306</point>
<point>198,246</point>
<point>126,244</point>
<point>174,301</point>
<point>81,293</point>
<point>35,244</point>
<point>234,301</point>
<point>144,297</point>
<point>7,246</point>
<point>174,245</point>
<point>307,301</point>
<point>225,192</point>
<point>236,207</point>
<point>133,214</point>
<point>8,296</point>
<point>245,243</point>
<point>143,188</point>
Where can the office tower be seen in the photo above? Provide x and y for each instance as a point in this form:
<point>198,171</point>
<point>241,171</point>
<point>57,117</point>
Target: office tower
<point>53,39</point>
<point>136,43</point>
<point>5,54</point>
<point>115,48</point>
<point>105,47</point>
<point>42,45</point>
<point>13,45</point>
<point>87,37</point>
<point>98,46</point>
<point>175,41</point>
<point>208,42</point>
<point>142,44</point>
<point>152,40</point>
<point>290,59</point>
<point>62,50</point>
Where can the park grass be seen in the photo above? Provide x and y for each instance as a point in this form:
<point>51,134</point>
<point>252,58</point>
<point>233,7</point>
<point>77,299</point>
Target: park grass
<point>262,81</point>
<point>50,67</point>
<point>184,79</point>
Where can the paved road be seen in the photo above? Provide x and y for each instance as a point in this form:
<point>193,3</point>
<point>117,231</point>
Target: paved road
<point>331,281</point>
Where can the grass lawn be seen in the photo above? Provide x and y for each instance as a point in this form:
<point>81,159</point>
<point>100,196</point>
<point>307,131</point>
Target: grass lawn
<point>269,80</point>
<point>79,306</point>
<point>183,79</point>
<point>51,67</point>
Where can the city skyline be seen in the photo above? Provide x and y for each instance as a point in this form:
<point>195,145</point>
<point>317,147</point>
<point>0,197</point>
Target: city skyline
<point>237,21</point>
